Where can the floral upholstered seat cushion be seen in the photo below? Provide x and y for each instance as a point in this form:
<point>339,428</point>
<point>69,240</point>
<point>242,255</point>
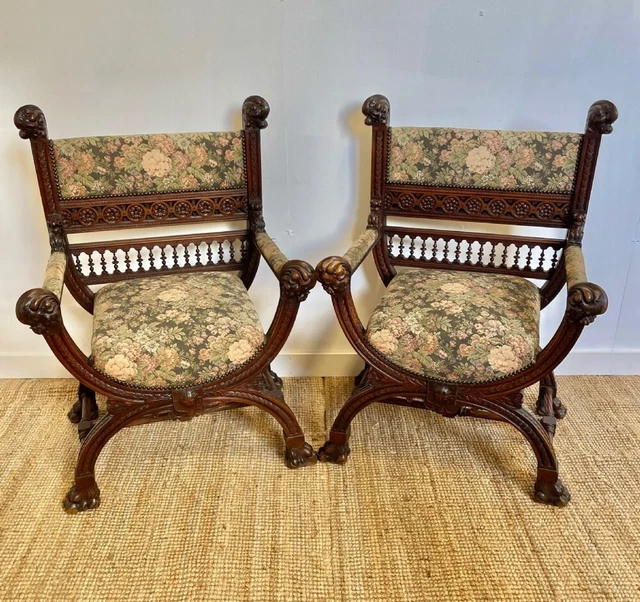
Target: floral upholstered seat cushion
<point>174,330</point>
<point>457,326</point>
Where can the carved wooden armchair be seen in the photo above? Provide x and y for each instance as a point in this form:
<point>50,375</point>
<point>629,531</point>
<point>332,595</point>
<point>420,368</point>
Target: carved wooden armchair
<point>175,333</point>
<point>460,336</point>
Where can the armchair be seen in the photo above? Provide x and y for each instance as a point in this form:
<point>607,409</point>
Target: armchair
<point>175,333</point>
<point>458,332</point>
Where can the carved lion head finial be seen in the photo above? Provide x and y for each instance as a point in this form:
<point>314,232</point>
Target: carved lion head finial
<point>255,111</point>
<point>601,115</point>
<point>377,110</point>
<point>31,122</point>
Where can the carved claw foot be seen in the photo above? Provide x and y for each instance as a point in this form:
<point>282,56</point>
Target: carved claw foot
<point>334,452</point>
<point>559,409</point>
<point>551,493</point>
<point>79,500</point>
<point>300,456</point>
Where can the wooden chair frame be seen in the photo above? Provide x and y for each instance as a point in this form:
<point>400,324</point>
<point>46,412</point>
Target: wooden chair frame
<point>384,382</point>
<point>253,384</point>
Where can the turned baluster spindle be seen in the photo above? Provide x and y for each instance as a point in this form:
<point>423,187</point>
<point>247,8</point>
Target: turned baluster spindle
<point>423,250</point>
<point>505,252</point>
<point>516,258</point>
<point>92,271</point>
<point>78,264</point>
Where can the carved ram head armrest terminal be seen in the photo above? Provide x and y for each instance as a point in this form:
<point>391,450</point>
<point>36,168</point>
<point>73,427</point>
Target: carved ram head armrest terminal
<point>39,309</point>
<point>334,273</point>
<point>585,302</point>
<point>296,280</point>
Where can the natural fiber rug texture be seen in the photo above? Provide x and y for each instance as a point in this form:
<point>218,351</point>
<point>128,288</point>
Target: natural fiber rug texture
<point>426,508</point>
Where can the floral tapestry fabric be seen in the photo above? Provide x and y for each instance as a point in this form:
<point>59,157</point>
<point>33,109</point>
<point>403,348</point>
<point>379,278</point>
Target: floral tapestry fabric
<point>148,164</point>
<point>54,274</point>
<point>271,252</point>
<point>574,265</point>
<point>361,247</point>
<point>504,160</point>
<point>460,327</point>
<point>175,330</point>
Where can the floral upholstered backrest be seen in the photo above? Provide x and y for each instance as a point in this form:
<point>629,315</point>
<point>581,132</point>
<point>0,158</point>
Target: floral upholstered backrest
<point>544,162</point>
<point>109,166</point>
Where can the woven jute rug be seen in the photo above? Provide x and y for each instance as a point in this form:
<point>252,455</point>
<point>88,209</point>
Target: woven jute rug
<point>426,508</point>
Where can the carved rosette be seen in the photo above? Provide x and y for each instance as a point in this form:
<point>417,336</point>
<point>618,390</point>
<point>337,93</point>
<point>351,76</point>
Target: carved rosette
<point>376,110</point>
<point>39,309</point>
<point>255,111</point>
<point>30,120</point>
<point>601,116</point>
<point>296,280</point>
<point>586,301</point>
<point>334,273</point>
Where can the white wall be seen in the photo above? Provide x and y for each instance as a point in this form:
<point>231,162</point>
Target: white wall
<point>129,66</point>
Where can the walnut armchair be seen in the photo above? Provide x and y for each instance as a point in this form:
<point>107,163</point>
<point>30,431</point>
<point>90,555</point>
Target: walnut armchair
<point>460,335</point>
<point>175,333</point>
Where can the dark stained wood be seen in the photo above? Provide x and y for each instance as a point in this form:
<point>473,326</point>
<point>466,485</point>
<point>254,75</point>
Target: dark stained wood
<point>196,253</point>
<point>252,384</point>
<point>384,382</point>
<point>479,205</point>
<point>153,210</point>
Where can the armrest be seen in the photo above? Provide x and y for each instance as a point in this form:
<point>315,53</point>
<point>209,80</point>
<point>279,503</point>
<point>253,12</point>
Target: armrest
<point>39,308</point>
<point>585,300</point>
<point>271,252</point>
<point>335,272</point>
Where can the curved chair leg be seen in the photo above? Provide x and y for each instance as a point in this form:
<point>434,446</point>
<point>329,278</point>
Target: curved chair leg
<point>337,449</point>
<point>85,494</point>
<point>298,452</point>
<point>548,488</point>
<point>548,403</point>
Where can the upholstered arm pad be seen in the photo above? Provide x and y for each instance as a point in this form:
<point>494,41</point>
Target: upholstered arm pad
<point>334,273</point>
<point>54,274</point>
<point>585,300</point>
<point>361,248</point>
<point>574,265</point>
<point>271,252</point>
<point>39,308</point>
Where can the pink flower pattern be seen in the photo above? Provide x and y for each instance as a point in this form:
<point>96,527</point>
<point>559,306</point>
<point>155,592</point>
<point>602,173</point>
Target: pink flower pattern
<point>494,159</point>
